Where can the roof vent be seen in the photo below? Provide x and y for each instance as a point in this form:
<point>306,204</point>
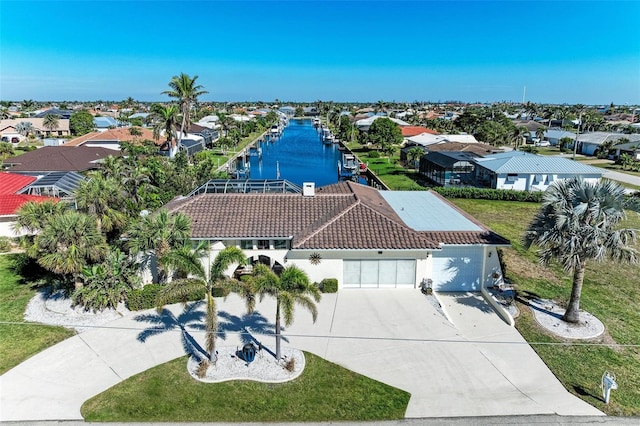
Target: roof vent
<point>308,189</point>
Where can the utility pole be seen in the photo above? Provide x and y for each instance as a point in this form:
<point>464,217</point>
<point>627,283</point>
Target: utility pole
<point>575,143</point>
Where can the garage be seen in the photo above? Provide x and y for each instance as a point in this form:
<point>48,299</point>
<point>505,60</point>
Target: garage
<point>384,273</point>
<point>457,268</point>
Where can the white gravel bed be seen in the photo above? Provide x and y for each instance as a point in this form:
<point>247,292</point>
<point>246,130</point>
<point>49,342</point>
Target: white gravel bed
<point>54,308</point>
<point>549,315</point>
<point>264,368</point>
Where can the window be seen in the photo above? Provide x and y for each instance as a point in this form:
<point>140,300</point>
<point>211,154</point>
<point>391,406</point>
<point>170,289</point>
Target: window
<point>263,244</point>
<point>511,178</point>
<point>246,244</point>
<point>280,244</point>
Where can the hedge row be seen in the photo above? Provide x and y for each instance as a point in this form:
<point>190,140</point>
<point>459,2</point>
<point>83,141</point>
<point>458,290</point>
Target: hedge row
<point>145,297</point>
<point>489,194</point>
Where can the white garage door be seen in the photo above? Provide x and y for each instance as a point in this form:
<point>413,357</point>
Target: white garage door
<point>457,269</point>
<point>389,273</point>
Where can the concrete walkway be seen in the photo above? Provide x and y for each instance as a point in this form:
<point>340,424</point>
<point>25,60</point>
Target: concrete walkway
<point>475,366</point>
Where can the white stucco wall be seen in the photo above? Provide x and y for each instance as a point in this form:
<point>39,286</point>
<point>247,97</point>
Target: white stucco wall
<point>536,181</point>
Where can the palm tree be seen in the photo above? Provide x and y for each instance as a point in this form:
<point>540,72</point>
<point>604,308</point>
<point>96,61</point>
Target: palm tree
<point>25,128</point>
<point>27,104</point>
<point>100,197</point>
<point>157,234</point>
<point>165,118</point>
<point>414,154</point>
<point>291,287</point>
<point>185,90</point>
<point>68,243</point>
<point>216,279</point>
<point>578,222</point>
<point>540,133</point>
<point>519,135</point>
<point>51,122</point>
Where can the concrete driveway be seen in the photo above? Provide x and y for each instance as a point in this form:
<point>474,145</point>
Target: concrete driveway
<point>474,366</point>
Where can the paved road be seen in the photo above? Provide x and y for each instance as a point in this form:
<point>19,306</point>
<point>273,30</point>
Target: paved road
<point>475,366</point>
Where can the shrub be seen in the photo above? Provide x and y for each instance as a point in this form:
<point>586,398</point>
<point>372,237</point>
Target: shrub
<point>290,365</point>
<point>329,285</point>
<point>5,244</point>
<point>373,154</point>
<point>145,297</point>
<point>489,194</point>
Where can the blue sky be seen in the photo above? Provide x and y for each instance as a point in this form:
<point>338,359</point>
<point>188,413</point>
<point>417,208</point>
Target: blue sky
<point>563,52</point>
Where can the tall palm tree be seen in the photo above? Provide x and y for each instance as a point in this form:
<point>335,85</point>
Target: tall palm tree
<point>578,221</point>
<point>157,234</point>
<point>215,279</point>
<point>185,90</point>
<point>51,122</point>
<point>68,243</point>
<point>165,118</point>
<point>101,198</point>
<point>519,135</point>
<point>290,288</point>
<point>540,133</point>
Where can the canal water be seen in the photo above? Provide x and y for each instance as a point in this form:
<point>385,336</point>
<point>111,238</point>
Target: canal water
<point>299,155</point>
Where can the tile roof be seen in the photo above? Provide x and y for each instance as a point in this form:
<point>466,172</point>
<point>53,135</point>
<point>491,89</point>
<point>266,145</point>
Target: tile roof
<point>415,130</point>
<point>120,134</point>
<point>340,216</point>
<point>10,183</point>
<point>59,159</point>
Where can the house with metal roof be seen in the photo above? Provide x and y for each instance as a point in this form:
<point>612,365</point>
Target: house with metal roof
<point>591,143</point>
<point>523,171</point>
<point>450,168</point>
<point>361,236</point>
<point>554,136</point>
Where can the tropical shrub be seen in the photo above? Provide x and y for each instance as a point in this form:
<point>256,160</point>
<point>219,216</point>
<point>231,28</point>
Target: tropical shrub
<point>329,285</point>
<point>373,154</point>
<point>145,297</point>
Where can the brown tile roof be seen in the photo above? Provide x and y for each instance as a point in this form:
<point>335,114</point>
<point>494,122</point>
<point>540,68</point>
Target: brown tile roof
<point>341,216</point>
<point>59,159</point>
<point>120,134</point>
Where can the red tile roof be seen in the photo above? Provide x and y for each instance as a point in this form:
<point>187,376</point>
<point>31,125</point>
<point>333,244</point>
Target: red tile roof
<point>408,131</point>
<point>10,183</point>
<point>10,202</point>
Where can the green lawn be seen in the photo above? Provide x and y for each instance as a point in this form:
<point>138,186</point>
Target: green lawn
<point>19,342</point>
<point>324,392</point>
<point>611,292</point>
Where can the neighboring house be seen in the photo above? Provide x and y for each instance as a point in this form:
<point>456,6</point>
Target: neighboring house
<point>427,139</point>
<point>62,113</point>
<point>58,159</point>
<point>630,148</point>
<point>448,168</point>
<point>554,136</point>
<point>112,138</point>
<point>364,124</point>
<point>363,237</point>
<point>210,121</point>
<point>529,172</point>
<point>11,200</point>
<point>9,126</point>
<point>288,110</point>
<point>410,131</point>
<point>209,135</point>
<point>104,122</point>
<point>591,143</point>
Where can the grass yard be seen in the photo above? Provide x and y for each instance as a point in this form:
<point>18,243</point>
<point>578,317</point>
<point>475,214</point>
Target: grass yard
<point>19,342</point>
<point>611,292</point>
<point>324,392</point>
